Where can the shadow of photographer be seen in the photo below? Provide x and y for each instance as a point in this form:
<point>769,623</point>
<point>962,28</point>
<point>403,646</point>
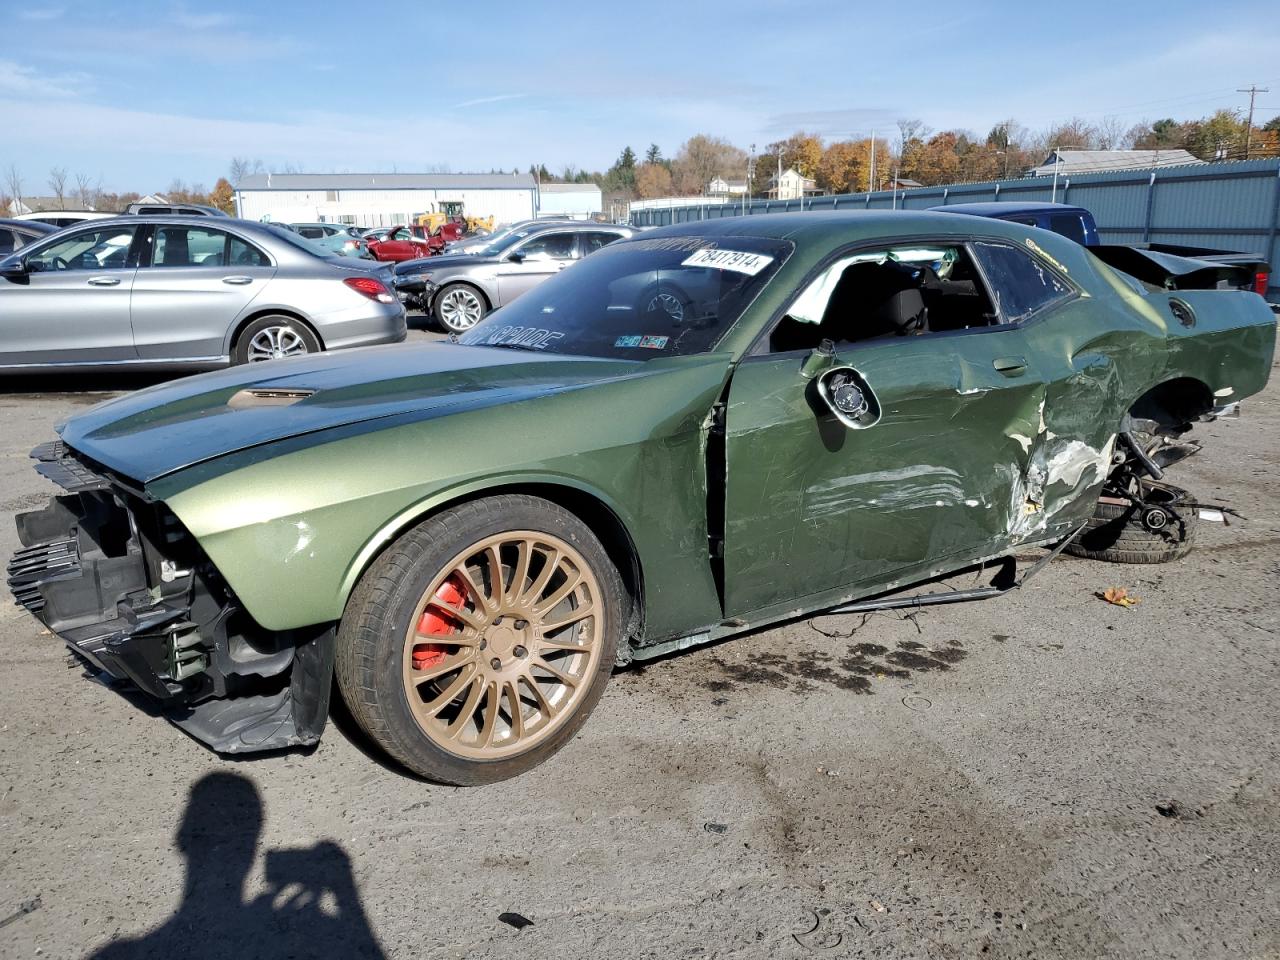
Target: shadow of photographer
<point>310,907</point>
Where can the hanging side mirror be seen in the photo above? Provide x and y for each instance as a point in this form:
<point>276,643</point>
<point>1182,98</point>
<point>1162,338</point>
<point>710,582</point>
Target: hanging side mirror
<point>849,398</point>
<point>821,358</point>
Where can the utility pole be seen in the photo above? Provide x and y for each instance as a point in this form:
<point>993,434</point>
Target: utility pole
<point>871,175</point>
<point>1253,91</point>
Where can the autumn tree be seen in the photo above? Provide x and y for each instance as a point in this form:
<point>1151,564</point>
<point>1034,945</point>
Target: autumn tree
<point>223,196</point>
<point>801,150</point>
<point>840,169</point>
<point>653,180</point>
<point>1218,137</point>
<point>702,158</point>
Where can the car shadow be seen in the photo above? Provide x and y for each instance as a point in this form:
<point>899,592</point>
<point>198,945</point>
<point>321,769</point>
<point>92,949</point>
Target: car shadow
<point>310,906</point>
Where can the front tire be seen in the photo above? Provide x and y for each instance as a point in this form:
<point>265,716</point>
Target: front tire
<point>273,338</point>
<point>458,307</point>
<point>476,646</point>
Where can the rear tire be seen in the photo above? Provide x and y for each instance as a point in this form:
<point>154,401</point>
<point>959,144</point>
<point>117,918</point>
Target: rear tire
<point>1116,531</point>
<point>274,337</point>
<point>473,697</point>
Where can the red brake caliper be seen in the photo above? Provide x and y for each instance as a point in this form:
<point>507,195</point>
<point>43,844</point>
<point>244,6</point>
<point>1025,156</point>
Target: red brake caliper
<point>438,624</point>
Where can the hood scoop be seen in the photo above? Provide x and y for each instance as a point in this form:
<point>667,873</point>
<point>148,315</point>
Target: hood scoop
<point>253,397</point>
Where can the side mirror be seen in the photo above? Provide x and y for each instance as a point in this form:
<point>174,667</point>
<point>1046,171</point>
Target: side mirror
<point>516,257</point>
<point>13,268</point>
<point>849,397</point>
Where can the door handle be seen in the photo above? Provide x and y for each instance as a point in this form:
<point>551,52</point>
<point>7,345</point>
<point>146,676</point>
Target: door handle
<point>237,281</point>
<point>1010,366</point>
<point>104,281</point>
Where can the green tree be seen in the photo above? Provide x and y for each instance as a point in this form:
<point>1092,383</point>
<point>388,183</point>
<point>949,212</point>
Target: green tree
<point>653,154</point>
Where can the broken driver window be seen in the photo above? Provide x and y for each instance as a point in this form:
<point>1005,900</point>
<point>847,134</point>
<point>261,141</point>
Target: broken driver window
<point>896,292</point>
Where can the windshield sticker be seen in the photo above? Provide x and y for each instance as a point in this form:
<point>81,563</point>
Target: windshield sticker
<point>1036,248</point>
<point>739,261</point>
<point>647,343</point>
<point>532,338</point>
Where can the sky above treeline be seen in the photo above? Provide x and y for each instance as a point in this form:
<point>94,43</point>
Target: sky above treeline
<point>138,93</point>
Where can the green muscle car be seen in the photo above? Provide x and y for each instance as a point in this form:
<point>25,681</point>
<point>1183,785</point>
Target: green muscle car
<point>690,434</point>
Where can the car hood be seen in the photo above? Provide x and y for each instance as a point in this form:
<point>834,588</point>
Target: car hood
<point>154,432</point>
<point>427,264</point>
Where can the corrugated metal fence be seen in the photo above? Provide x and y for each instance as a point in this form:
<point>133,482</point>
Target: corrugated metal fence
<point>1231,206</point>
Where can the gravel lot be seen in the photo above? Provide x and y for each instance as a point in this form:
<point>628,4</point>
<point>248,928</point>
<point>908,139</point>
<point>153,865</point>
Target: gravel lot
<point>1040,775</point>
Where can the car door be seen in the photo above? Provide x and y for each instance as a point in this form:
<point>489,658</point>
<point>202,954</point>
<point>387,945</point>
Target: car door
<point>932,475</point>
<point>532,261</point>
<point>197,281</point>
<point>71,305</point>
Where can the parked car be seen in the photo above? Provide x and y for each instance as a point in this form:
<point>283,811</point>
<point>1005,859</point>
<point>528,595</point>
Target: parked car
<point>185,292</point>
<point>175,209</point>
<point>333,236</point>
<point>459,290</point>
<point>65,218</point>
<point>481,242</point>
<point>1163,265</point>
<point>695,433</point>
<point>16,234</point>
<point>411,241</point>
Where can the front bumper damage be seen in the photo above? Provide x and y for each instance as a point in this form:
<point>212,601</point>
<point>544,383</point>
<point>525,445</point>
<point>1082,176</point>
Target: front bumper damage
<point>116,576</point>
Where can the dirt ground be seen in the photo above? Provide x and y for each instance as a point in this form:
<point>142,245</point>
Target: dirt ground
<point>1042,775</point>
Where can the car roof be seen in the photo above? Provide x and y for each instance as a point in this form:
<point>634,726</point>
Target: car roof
<point>995,208</point>
<point>35,226</point>
<point>838,226</point>
<point>172,219</point>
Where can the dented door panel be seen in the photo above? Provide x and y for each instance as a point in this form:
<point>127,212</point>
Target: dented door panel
<point>813,505</point>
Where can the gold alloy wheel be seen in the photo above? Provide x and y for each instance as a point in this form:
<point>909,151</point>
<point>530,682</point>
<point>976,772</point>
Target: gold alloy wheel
<point>503,645</point>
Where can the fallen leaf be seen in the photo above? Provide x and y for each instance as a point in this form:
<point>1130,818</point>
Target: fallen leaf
<point>1119,597</point>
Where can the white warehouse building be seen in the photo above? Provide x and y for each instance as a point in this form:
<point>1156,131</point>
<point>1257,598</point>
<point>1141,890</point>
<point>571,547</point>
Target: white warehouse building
<point>581,201</point>
<point>384,199</point>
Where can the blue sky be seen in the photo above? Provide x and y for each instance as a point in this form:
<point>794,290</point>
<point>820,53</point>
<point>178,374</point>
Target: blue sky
<point>138,93</point>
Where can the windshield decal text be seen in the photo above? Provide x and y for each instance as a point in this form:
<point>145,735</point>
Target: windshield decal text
<point>532,338</point>
<point>739,261</point>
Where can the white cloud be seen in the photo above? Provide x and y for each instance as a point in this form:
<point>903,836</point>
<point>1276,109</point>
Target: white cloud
<point>18,80</point>
<point>480,100</point>
<point>191,20</point>
<point>36,14</point>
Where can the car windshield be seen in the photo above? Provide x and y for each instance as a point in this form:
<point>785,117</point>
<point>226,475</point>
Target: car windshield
<point>498,244</point>
<point>639,299</point>
<point>288,236</point>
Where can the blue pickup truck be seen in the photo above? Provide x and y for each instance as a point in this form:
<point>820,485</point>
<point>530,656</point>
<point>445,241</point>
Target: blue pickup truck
<point>1165,265</point>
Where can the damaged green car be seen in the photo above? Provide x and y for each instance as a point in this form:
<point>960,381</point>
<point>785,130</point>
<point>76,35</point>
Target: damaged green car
<point>690,434</point>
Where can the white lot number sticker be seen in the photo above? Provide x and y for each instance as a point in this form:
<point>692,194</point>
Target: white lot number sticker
<point>736,260</point>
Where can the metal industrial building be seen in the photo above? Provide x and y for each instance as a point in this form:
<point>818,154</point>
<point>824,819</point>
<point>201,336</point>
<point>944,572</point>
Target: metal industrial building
<point>383,199</point>
<point>581,201</point>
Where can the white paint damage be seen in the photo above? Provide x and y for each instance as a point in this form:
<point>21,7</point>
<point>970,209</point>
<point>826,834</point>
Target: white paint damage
<point>1038,497</point>
<point>1224,392</point>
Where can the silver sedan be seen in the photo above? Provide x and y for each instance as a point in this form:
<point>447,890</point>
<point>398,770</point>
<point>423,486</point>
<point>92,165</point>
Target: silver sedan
<point>459,290</point>
<point>185,292</point>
